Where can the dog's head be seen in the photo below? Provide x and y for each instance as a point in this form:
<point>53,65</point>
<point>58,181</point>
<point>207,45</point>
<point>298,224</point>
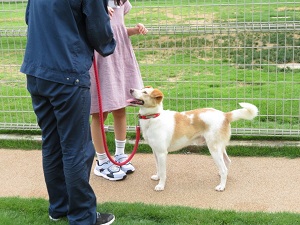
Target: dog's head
<point>147,97</point>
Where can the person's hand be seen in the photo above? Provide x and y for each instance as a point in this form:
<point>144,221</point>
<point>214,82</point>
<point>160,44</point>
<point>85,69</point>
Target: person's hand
<point>110,11</point>
<point>141,28</point>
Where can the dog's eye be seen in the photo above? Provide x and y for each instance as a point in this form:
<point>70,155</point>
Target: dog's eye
<point>145,92</point>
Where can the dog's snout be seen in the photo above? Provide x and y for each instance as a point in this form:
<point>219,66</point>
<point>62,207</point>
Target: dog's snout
<point>131,90</point>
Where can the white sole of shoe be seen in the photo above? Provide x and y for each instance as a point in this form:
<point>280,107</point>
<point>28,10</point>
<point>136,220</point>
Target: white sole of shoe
<point>97,173</point>
<point>127,171</point>
<point>53,219</point>
<point>110,222</point>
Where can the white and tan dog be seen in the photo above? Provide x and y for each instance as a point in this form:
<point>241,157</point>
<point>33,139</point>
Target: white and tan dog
<point>167,131</point>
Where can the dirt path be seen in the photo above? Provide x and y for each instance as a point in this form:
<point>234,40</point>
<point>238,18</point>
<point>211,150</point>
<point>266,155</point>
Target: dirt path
<point>254,184</point>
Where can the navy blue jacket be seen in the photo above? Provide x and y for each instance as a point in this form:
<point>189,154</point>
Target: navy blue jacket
<point>62,36</point>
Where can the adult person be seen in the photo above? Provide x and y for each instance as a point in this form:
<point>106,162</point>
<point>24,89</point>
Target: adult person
<point>61,38</point>
<point>117,74</point>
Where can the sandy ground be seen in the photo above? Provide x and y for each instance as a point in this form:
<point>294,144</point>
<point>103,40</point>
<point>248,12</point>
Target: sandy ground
<point>254,184</point>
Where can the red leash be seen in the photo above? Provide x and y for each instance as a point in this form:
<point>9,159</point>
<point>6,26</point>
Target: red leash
<point>102,123</point>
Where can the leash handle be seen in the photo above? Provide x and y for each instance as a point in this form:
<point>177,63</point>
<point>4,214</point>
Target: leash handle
<point>101,121</point>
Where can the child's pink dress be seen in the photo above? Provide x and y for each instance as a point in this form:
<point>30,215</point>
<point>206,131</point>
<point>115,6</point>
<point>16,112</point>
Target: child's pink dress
<point>118,72</point>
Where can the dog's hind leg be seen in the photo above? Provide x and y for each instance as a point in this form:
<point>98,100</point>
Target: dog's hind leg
<point>217,154</point>
<point>226,159</point>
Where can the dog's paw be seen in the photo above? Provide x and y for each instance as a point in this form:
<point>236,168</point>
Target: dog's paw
<point>159,187</point>
<point>155,177</point>
<point>220,188</point>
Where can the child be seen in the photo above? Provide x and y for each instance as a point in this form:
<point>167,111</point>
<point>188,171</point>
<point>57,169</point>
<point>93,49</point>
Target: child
<point>117,74</point>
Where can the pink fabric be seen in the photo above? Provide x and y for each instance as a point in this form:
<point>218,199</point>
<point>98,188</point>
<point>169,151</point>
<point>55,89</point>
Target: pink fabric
<point>118,72</point>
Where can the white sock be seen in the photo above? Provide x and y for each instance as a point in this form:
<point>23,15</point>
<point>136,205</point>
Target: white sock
<point>120,147</point>
<point>102,157</point>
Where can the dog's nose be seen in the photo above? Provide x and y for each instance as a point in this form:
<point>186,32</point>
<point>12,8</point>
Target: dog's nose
<point>131,90</point>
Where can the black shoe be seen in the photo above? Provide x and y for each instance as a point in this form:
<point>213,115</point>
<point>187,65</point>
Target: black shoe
<point>104,219</point>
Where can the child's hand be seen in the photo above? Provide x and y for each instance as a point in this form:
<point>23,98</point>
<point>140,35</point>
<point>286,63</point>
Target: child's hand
<point>110,11</point>
<point>141,28</point>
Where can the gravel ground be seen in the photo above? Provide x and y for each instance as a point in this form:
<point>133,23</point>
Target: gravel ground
<point>254,184</point>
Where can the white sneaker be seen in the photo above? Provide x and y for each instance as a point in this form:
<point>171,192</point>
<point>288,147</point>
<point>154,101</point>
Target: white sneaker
<point>109,171</point>
<point>128,167</point>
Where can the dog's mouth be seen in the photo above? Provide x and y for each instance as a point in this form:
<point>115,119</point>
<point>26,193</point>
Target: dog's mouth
<point>135,101</point>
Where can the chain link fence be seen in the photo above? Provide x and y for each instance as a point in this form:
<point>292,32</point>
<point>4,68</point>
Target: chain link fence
<point>208,53</point>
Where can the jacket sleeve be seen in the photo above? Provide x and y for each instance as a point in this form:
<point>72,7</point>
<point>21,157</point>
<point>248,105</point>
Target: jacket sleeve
<point>99,31</point>
<point>27,12</point>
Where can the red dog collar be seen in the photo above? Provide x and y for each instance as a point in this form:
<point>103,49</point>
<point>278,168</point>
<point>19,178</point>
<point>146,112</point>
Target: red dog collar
<point>146,117</point>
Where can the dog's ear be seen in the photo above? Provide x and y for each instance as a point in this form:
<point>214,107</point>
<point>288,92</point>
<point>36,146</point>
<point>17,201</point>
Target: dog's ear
<point>148,87</point>
<point>157,94</point>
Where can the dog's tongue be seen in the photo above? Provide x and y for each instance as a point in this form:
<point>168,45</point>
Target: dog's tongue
<point>135,101</point>
<point>130,100</point>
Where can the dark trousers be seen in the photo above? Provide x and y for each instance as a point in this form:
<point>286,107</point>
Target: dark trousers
<point>63,116</point>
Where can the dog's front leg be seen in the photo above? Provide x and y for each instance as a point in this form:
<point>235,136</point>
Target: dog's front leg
<point>161,170</point>
<point>155,176</point>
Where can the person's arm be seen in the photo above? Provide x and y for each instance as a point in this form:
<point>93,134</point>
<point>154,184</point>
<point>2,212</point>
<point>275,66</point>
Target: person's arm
<point>110,12</point>
<point>98,27</point>
<point>138,29</point>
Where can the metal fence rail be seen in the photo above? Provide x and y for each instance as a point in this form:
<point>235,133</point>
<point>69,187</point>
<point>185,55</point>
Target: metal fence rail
<point>202,53</point>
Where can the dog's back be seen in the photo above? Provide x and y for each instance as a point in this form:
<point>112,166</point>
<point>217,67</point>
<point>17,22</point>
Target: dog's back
<point>191,127</point>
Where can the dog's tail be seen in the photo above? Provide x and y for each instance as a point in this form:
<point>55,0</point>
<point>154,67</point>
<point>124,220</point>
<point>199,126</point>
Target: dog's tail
<point>248,112</point>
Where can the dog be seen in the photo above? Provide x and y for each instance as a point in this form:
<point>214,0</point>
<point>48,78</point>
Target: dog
<point>166,131</point>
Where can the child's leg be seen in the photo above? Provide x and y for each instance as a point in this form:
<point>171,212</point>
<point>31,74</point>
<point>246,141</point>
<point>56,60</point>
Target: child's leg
<point>104,167</point>
<point>97,133</point>
<point>120,127</point>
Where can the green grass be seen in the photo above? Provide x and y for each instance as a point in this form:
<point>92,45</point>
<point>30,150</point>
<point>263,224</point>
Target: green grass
<point>180,12</point>
<point>241,151</point>
<point>251,151</point>
<point>19,211</point>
